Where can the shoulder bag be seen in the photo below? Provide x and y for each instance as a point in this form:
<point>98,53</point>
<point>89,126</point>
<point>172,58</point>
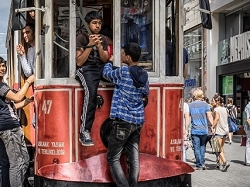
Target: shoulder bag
<point>216,148</point>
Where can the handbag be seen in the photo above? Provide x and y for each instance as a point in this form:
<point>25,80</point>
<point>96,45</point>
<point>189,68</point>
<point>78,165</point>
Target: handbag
<point>232,125</point>
<point>243,141</point>
<point>216,148</point>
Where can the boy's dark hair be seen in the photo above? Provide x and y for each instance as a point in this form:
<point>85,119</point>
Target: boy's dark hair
<point>92,15</point>
<point>168,34</point>
<point>133,50</point>
<point>32,27</point>
<point>107,31</point>
<point>2,60</point>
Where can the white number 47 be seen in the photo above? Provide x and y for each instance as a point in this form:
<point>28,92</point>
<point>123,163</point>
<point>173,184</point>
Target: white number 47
<point>47,106</point>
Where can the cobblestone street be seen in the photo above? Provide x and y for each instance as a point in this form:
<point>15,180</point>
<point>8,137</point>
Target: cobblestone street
<point>236,176</point>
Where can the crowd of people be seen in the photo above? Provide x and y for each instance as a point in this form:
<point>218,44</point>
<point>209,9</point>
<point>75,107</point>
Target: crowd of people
<point>211,120</point>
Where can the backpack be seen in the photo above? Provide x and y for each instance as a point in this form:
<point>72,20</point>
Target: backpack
<point>231,111</point>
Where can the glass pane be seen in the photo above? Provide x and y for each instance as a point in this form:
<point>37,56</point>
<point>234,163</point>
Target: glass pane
<point>136,26</point>
<point>171,63</point>
<point>61,40</point>
<point>224,52</point>
<point>193,44</point>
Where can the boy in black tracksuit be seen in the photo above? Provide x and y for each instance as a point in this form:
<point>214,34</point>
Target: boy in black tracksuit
<point>90,58</point>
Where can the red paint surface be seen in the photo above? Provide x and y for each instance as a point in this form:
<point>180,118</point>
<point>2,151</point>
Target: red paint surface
<point>96,169</point>
<point>163,118</point>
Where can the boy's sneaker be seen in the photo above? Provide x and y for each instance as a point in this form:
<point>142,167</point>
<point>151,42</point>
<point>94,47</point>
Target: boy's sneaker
<point>85,138</point>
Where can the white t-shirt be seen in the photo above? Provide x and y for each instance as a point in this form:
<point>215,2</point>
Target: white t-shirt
<point>185,110</point>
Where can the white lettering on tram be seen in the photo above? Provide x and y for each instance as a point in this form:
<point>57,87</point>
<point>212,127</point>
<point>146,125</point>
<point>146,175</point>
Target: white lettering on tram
<point>46,148</point>
<point>43,144</point>
<point>57,144</point>
<point>178,143</point>
<point>51,151</point>
<point>46,106</point>
<point>175,141</point>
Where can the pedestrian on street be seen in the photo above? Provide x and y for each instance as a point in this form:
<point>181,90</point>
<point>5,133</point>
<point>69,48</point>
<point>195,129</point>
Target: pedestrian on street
<point>186,122</point>
<point>232,111</point>
<point>220,129</point>
<point>247,130</point>
<point>199,112</point>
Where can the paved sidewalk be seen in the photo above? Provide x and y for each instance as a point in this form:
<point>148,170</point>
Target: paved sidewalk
<point>237,175</point>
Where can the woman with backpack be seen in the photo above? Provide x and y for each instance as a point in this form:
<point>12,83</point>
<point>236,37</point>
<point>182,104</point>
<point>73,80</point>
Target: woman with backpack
<point>232,112</point>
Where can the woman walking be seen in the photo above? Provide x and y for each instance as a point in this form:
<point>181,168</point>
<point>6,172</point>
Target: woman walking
<point>220,129</point>
<point>232,111</point>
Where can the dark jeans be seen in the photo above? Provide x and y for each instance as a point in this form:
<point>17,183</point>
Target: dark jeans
<point>208,139</point>
<point>4,166</point>
<point>126,136</point>
<point>17,152</point>
<point>89,76</point>
<point>199,143</point>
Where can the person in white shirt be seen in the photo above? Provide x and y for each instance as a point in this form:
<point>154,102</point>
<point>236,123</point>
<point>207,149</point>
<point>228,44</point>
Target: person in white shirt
<point>27,60</point>
<point>247,130</point>
<point>186,122</point>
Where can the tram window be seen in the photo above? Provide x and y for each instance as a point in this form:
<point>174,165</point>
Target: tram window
<point>171,63</point>
<point>61,40</point>
<point>136,26</point>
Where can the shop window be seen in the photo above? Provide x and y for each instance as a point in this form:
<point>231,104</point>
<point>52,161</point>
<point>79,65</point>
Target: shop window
<point>193,44</point>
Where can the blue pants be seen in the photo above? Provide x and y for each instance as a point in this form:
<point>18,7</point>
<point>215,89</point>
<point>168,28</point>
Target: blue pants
<point>124,136</point>
<point>199,146</point>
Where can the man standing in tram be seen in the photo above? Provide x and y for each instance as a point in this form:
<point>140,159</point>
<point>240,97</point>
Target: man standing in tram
<point>90,59</point>
<point>27,60</point>
<point>127,110</point>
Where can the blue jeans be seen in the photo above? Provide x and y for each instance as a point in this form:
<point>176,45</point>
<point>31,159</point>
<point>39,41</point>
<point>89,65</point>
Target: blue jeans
<point>126,136</point>
<point>17,153</point>
<point>199,146</point>
<point>4,165</point>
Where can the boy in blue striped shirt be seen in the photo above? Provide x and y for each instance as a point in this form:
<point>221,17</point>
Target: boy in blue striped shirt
<point>127,109</point>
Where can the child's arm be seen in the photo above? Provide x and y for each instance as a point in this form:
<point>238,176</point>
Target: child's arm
<point>24,102</point>
<point>83,54</point>
<point>113,76</point>
<point>103,54</point>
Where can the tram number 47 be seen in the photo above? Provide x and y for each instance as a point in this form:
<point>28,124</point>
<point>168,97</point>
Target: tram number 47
<point>47,106</point>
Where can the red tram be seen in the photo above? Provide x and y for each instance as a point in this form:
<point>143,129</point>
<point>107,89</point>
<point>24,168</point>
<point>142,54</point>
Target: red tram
<point>59,158</point>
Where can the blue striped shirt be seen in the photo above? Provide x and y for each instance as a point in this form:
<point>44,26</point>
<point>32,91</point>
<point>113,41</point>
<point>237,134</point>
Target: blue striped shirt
<point>127,103</point>
<point>198,112</point>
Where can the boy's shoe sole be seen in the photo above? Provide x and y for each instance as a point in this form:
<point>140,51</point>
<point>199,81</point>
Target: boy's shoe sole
<point>86,144</point>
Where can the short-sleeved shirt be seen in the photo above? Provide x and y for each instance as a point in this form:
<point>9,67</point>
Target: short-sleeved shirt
<point>8,114</point>
<point>198,112</point>
<point>82,40</point>
<point>222,125</point>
